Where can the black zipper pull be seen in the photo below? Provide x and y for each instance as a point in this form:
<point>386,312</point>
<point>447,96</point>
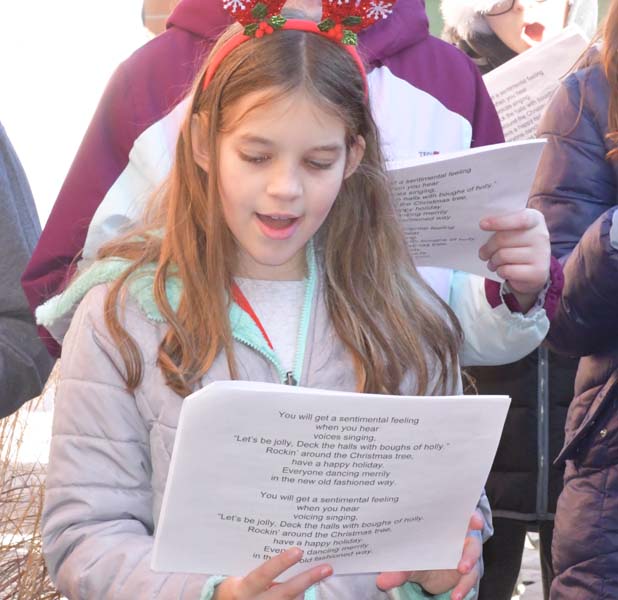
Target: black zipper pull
<point>289,378</point>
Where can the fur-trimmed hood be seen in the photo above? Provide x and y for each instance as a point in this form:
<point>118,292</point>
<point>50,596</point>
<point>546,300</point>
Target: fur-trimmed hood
<point>466,16</point>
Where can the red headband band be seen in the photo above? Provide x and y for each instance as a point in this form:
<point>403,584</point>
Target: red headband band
<point>264,28</point>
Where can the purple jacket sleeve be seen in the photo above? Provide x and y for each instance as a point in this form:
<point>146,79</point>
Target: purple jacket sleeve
<point>575,188</point>
<point>574,184</point>
<point>101,157</point>
<point>587,318</point>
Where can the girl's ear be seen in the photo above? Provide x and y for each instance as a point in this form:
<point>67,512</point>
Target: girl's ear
<point>198,143</point>
<point>355,155</point>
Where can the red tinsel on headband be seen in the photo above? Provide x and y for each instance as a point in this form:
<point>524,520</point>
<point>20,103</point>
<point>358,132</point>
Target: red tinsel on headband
<point>341,20</point>
<point>345,16</point>
<point>354,15</point>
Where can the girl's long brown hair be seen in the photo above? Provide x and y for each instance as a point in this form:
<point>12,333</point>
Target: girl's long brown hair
<point>388,319</point>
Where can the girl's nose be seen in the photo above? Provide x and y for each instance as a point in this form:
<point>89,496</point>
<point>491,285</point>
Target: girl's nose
<point>284,182</point>
<point>526,4</point>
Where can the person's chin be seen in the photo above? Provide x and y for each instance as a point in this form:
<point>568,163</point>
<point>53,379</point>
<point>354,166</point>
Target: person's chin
<point>280,262</point>
<point>522,44</point>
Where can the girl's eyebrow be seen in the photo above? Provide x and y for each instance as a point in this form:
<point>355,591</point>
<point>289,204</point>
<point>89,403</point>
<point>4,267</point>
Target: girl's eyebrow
<point>329,147</point>
<point>256,139</point>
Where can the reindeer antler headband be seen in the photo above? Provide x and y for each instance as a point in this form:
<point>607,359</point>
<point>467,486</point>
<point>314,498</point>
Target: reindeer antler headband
<point>341,22</point>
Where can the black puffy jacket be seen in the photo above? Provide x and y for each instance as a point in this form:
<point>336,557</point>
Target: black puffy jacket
<point>524,483</point>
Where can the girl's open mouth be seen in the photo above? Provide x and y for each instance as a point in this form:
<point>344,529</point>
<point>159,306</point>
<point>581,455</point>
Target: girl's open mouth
<point>534,31</point>
<point>279,227</point>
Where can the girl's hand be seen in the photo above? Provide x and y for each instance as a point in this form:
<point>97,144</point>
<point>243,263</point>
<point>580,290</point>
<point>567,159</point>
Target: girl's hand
<point>519,251</point>
<point>259,584</point>
<point>460,580</point>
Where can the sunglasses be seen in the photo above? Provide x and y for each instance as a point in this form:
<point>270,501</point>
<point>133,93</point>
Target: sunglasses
<point>501,8</point>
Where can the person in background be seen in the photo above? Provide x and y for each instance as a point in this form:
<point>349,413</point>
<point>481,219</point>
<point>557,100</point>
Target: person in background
<point>24,362</point>
<point>128,149</point>
<point>523,485</point>
<point>577,189</point>
<point>493,32</point>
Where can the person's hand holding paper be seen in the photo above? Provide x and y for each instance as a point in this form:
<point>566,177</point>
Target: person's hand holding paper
<point>260,583</point>
<point>442,200</point>
<point>519,252</point>
<point>461,580</point>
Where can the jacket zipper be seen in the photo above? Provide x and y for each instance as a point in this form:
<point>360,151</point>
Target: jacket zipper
<point>543,391</point>
<point>284,377</point>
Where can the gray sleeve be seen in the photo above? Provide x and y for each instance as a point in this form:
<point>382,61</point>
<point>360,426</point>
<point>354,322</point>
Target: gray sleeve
<point>97,525</point>
<point>24,361</point>
<point>485,510</point>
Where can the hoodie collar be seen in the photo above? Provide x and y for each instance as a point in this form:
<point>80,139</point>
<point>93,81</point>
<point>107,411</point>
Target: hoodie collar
<point>407,25</point>
<point>204,18</point>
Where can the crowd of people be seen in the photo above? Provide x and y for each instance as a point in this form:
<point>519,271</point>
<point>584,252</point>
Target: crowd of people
<point>240,168</point>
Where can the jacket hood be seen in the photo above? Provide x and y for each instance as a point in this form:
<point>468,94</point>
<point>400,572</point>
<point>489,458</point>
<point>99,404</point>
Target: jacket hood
<point>466,16</point>
<point>204,18</point>
<point>406,26</point>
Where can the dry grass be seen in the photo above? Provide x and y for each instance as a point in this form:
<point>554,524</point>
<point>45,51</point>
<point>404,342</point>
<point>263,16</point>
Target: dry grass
<point>23,575</point>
